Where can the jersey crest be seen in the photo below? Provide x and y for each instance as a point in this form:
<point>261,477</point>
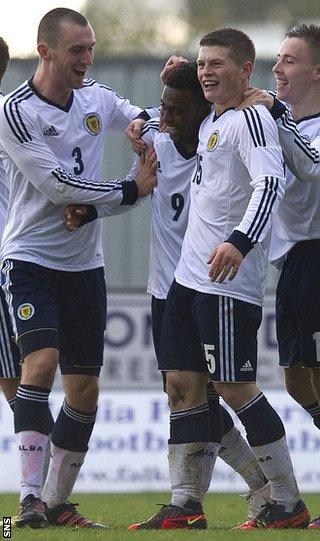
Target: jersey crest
<point>213,141</point>
<point>92,123</point>
<point>25,311</point>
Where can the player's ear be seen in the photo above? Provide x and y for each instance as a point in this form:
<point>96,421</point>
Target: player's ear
<point>246,70</point>
<point>43,51</point>
<point>316,73</point>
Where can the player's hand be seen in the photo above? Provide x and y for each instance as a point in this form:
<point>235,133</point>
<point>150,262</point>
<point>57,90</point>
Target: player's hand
<point>171,63</point>
<point>133,132</point>
<point>146,178</point>
<point>256,96</point>
<point>73,216</point>
<point>224,262</point>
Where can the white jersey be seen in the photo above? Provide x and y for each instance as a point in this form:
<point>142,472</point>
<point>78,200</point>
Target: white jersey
<point>234,194</point>
<point>170,207</point>
<point>298,216</point>
<point>52,157</point>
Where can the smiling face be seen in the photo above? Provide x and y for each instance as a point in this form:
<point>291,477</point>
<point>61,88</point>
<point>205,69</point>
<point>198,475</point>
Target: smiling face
<point>295,73</point>
<point>72,55</point>
<point>183,113</point>
<point>222,79</point>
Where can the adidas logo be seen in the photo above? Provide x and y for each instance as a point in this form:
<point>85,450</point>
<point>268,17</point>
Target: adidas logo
<point>247,367</point>
<point>51,131</point>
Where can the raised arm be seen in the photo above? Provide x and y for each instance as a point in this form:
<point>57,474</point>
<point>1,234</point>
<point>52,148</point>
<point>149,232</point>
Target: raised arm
<point>34,160</point>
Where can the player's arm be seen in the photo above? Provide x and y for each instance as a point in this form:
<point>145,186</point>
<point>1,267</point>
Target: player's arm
<point>75,216</point>
<point>260,152</point>
<point>134,130</point>
<point>301,156</point>
<point>126,117</point>
<point>256,142</point>
<point>23,143</point>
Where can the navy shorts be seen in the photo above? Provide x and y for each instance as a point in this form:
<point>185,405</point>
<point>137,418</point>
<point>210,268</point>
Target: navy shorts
<point>224,330</point>
<point>9,351</point>
<point>58,309</point>
<point>157,313</point>
<point>298,307</point>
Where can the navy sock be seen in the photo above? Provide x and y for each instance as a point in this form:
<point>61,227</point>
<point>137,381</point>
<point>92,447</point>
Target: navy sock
<point>227,420</point>
<point>72,429</point>
<point>262,423</point>
<point>190,425</point>
<point>31,409</point>
<point>314,411</point>
<point>216,419</point>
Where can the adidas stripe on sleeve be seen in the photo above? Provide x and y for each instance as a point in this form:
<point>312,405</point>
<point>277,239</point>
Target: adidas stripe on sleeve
<point>260,152</point>
<point>301,155</point>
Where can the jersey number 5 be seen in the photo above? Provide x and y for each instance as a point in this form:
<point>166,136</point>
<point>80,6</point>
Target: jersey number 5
<point>209,354</point>
<point>198,174</point>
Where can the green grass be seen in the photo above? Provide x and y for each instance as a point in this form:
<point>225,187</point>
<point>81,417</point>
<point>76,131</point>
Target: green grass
<point>120,510</point>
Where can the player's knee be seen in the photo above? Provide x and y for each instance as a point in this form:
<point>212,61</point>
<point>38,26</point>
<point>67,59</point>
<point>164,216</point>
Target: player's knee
<point>39,369</point>
<point>177,389</point>
<point>82,392</point>
<point>292,388</point>
<point>236,395</point>
<point>227,392</point>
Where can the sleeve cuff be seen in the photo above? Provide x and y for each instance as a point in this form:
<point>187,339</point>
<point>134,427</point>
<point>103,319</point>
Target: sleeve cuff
<point>144,115</point>
<point>90,216</point>
<point>240,241</point>
<point>278,109</point>
<point>130,192</point>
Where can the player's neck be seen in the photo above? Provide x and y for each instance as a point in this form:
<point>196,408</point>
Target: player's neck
<point>307,107</point>
<point>187,147</point>
<point>50,89</point>
<point>220,108</point>
<point>234,99</point>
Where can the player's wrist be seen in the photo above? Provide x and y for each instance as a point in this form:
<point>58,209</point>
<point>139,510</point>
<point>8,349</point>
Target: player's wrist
<point>278,109</point>
<point>240,241</point>
<point>90,215</point>
<point>144,115</point>
<point>130,192</point>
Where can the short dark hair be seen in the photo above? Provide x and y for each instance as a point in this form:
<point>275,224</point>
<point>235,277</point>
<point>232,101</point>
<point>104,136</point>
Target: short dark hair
<point>311,34</point>
<point>4,57</point>
<point>49,25</point>
<point>241,46</point>
<point>185,77</point>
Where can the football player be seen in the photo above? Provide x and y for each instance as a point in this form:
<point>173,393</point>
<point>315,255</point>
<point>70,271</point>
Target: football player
<point>295,246</point>
<point>218,290</point>
<point>51,142</point>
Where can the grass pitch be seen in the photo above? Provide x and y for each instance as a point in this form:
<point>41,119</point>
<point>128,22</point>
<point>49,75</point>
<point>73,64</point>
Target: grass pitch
<point>119,510</point>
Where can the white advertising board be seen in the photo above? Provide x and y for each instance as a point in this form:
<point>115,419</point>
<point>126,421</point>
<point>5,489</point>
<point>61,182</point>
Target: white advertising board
<point>128,447</point>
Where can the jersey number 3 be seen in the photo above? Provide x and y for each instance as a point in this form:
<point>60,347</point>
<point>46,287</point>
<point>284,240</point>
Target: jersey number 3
<point>77,155</point>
